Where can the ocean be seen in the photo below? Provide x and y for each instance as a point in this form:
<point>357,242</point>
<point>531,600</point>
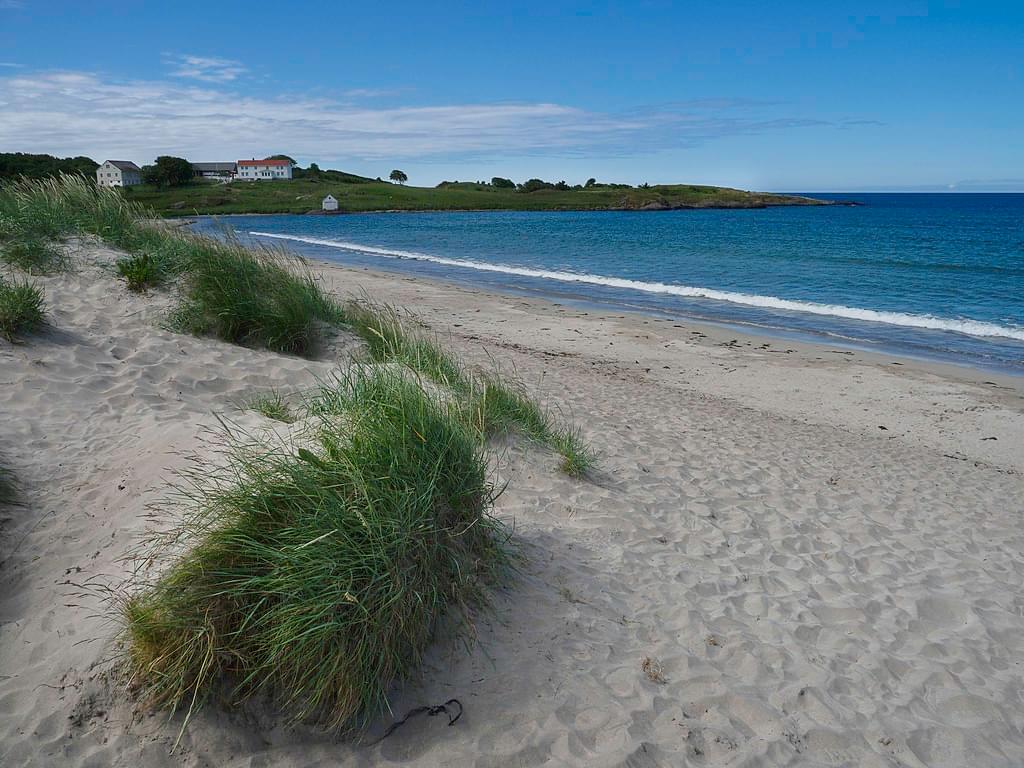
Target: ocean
<point>938,276</point>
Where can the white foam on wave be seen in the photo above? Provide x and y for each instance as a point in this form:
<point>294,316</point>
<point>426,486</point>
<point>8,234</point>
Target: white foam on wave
<point>966,326</point>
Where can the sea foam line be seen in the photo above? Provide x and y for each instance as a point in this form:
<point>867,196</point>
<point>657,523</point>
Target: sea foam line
<point>966,326</point>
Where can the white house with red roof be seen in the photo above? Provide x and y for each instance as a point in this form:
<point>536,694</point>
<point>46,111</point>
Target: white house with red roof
<point>263,170</point>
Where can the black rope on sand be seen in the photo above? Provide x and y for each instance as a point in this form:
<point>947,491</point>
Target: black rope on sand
<point>431,711</point>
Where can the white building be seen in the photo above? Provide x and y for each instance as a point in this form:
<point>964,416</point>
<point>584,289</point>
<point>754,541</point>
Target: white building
<point>330,203</point>
<point>118,173</point>
<point>263,170</point>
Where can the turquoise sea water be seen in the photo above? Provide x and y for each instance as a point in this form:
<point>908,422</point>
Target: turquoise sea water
<point>933,275</point>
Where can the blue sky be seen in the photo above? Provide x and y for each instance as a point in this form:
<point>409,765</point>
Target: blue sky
<point>759,95</point>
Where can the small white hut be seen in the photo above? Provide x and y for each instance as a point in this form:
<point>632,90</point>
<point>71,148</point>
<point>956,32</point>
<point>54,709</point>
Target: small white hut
<point>330,203</point>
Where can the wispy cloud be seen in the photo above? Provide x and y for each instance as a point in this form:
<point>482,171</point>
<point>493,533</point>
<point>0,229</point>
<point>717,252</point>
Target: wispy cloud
<point>10,5</point>
<point>208,69</point>
<point>82,113</point>
<point>847,124</point>
<point>11,65</point>
<point>367,93</point>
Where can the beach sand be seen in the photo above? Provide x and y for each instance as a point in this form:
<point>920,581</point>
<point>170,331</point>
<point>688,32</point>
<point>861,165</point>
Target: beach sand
<point>819,549</point>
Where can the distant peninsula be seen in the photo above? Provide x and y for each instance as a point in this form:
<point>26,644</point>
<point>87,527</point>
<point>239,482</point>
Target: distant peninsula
<point>176,187</point>
<point>304,195</point>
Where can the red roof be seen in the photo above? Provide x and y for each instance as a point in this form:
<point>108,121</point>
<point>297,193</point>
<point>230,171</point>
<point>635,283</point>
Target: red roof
<point>264,162</point>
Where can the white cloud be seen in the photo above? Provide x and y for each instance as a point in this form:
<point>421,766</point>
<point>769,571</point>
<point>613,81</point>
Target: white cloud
<point>209,69</point>
<point>70,113</point>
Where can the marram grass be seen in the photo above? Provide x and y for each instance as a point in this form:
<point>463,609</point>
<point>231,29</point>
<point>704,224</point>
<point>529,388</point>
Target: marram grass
<point>21,309</point>
<point>34,255</point>
<point>256,296</point>
<point>494,403</point>
<point>259,297</point>
<point>316,576</point>
<point>272,405</point>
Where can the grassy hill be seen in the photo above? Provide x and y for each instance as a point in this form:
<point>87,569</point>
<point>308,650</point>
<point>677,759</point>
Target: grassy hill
<point>304,195</point>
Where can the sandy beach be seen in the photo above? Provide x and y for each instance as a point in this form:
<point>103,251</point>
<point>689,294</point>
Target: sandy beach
<point>817,551</point>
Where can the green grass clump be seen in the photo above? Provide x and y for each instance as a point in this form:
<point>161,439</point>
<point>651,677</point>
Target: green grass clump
<point>494,403</point>
<point>21,309</point>
<point>261,297</point>
<point>272,405</point>
<point>501,406</point>
<point>389,339</point>
<point>66,205</point>
<point>34,255</point>
<point>317,576</point>
<point>141,272</point>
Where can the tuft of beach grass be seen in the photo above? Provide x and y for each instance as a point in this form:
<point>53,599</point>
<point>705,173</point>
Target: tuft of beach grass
<point>273,405</point>
<point>495,403</point>
<point>21,308</point>
<point>261,297</point>
<point>317,575</point>
<point>34,255</point>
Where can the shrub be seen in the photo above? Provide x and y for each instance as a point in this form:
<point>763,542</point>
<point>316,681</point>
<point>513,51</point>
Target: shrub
<point>34,255</point>
<point>21,309</point>
<point>318,575</point>
<point>534,185</point>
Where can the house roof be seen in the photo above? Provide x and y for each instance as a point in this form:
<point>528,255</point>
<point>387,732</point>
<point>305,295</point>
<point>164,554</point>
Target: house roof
<point>124,165</point>
<point>264,162</point>
<point>330,197</point>
<point>213,166</point>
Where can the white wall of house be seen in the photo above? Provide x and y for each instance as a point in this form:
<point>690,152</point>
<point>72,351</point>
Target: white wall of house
<point>257,170</point>
<point>330,204</point>
<point>109,175</point>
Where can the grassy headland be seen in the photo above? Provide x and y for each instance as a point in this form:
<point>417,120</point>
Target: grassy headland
<point>304,195</point>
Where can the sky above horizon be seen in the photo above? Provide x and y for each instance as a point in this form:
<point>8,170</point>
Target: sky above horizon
<point>783,96</point>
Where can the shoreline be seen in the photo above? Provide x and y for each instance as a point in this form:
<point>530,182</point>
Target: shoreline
<point>750,331</point>
<point>946,339</point>
<point>745,366</point>
<point>812,203</point>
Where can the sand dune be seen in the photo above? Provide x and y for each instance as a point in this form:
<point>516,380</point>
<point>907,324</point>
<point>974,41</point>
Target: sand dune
<point>817,590</point>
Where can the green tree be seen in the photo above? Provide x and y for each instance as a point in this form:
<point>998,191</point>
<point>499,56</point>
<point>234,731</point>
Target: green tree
<point>399,176</point>
<point>590,183</point>
<point>168,171</point>
<point>501,183</point>
<point>15,164</point>
<point>533,185</point>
